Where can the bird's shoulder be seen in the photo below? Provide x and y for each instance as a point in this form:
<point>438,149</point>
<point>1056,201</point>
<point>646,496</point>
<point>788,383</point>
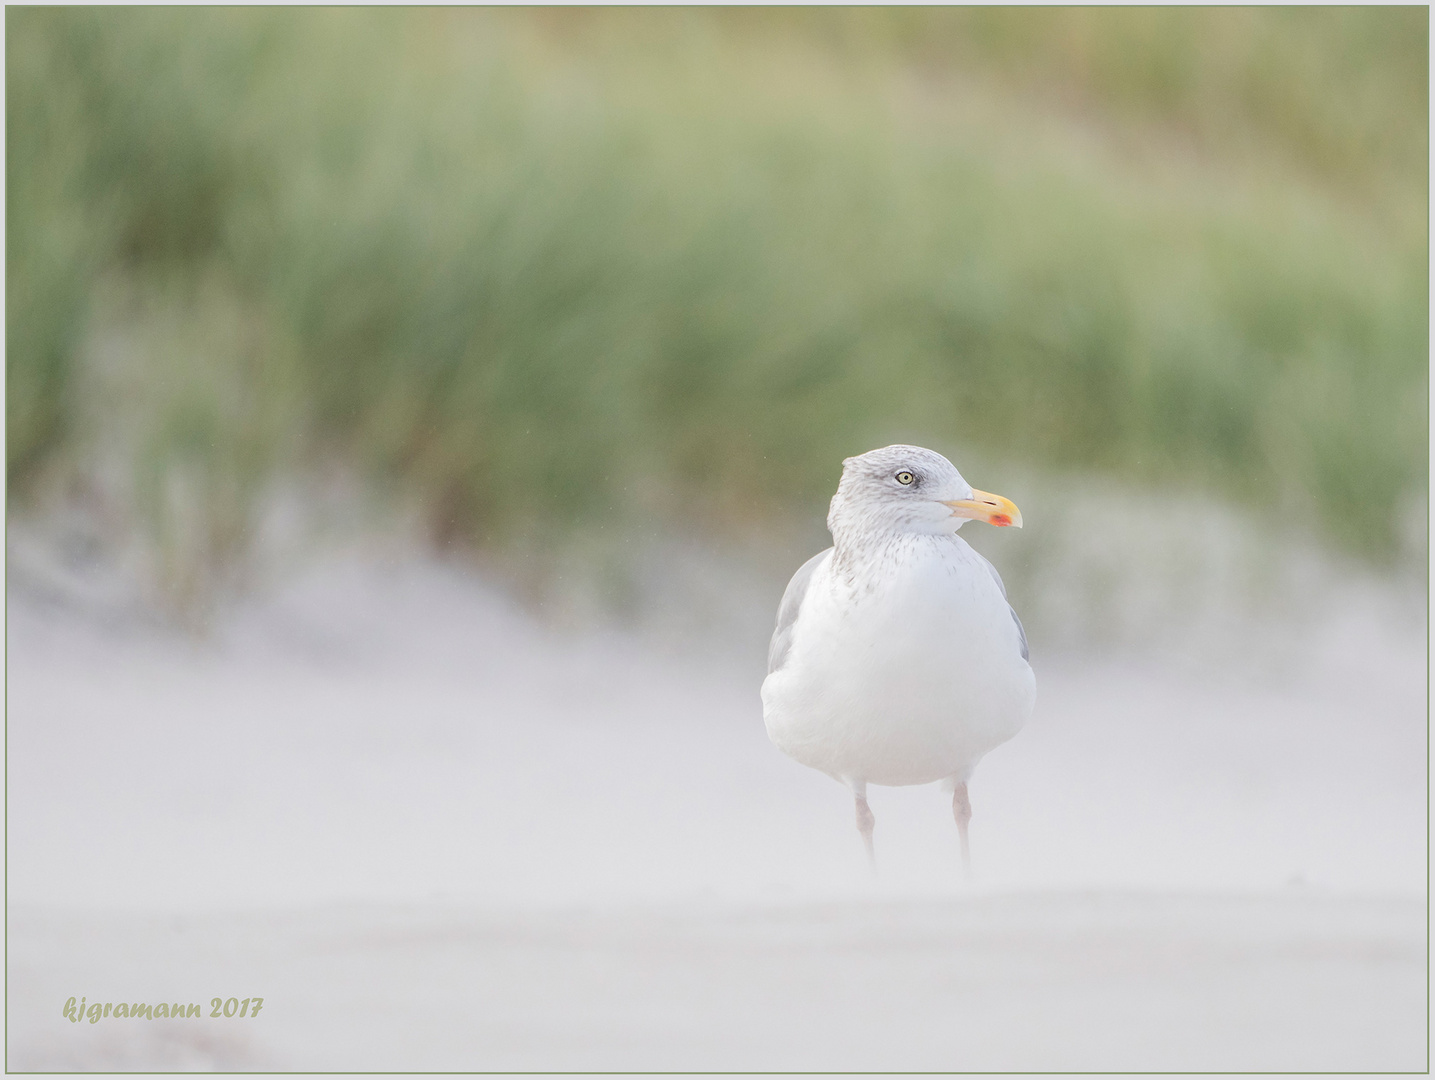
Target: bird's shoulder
<point>790,608</point>
<point>1020,630</point>
<point>954,551</point>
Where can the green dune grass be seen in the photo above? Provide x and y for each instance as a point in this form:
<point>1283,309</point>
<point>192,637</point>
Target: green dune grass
<point>549,267</point>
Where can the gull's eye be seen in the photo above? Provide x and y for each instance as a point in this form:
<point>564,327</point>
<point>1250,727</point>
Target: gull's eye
<point>904,477</point>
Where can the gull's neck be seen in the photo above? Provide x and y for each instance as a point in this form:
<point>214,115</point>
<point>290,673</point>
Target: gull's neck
<point>865,556</point>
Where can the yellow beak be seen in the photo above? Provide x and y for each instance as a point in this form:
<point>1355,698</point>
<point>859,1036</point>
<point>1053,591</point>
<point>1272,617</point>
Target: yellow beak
<point>984,506</point>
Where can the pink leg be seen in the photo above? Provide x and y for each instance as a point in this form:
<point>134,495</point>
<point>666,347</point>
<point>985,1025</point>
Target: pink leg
<point>865,822</point>
<point>962,811</point>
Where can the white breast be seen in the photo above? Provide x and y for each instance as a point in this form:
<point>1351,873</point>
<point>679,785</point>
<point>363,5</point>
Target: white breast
<point>903,670</point>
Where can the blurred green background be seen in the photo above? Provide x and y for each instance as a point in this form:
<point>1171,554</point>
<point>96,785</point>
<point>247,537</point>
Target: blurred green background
<point>538,270</point>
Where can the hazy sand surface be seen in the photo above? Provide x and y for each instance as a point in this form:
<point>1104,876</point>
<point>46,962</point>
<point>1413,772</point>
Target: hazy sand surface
<point>453,838</point>
<point>1023,981</point>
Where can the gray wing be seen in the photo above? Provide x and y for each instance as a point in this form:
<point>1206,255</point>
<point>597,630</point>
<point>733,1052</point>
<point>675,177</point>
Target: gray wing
<point>1020,630</point>
<point>788,609</point>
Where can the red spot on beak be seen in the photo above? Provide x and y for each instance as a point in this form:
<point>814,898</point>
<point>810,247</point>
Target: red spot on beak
<point>1000,519</point>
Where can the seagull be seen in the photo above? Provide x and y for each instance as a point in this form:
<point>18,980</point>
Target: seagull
<point>897,659</point>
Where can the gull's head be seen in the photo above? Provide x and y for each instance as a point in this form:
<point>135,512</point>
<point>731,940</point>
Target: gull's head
<point>908,489</point>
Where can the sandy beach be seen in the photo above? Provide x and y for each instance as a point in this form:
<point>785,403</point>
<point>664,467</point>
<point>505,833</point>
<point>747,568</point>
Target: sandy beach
<point>433,832</point>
